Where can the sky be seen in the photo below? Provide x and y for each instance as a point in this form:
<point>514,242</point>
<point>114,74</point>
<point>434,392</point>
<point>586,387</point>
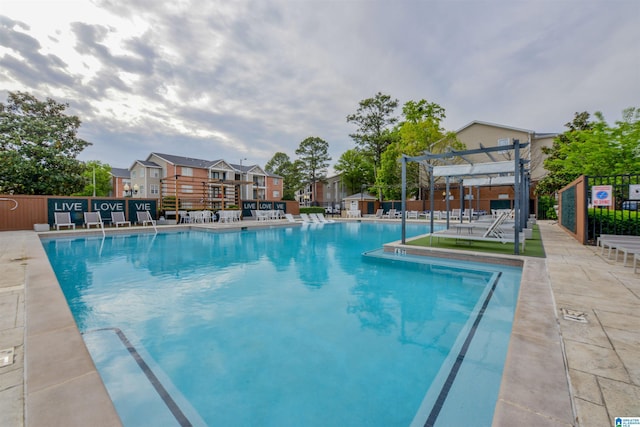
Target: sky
<point>242,80</point>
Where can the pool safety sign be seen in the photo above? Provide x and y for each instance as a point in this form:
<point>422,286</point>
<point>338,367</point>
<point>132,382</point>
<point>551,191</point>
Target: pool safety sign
<point>627,422</point>
<point>601,195</point>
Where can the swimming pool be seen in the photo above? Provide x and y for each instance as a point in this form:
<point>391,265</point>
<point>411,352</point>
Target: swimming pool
<point>288,326</point>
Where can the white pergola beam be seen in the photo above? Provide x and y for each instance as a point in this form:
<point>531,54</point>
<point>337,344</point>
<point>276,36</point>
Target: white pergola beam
<point>483,182</point>
<point>474,169</point>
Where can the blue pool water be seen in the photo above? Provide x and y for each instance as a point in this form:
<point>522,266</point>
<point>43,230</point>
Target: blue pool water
<point>288,326</point>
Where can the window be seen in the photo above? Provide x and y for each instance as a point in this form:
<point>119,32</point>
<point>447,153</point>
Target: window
<point>216,192</point>
<point>187,171</point>
<point>218,175</point>
<point>154,189</point>
<point>141,173</point>
<point>503,142</point>
<point>276,194</point>
<point>276,181</point>
<point>155,173</point>
<point>133,174</point>
<point>187,188</point>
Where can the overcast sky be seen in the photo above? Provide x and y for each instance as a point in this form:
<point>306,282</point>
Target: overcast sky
<point>245,79</point>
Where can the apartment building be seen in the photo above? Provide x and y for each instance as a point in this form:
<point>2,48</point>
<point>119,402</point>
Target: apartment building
<point>197,183</point>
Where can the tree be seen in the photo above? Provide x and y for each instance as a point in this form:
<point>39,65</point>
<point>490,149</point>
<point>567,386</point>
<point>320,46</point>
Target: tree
<point>420,131</point>
<point>280,164</point>
<point>38,147</point>
<point>314,155</point>
<point>356,170</point>
<point>374,118</point>
<point>99,173</point>
<point>592,148</point>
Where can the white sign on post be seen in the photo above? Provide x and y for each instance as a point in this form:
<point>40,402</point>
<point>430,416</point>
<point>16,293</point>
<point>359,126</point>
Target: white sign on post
<point>601,195</point>
<point>634,192</point>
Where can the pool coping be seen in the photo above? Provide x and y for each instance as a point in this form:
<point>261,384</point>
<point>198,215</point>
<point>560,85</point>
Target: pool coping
<point>62,386</point>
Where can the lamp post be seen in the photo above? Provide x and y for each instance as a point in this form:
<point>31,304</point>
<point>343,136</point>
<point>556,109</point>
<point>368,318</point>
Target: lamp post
<point>127,190</point>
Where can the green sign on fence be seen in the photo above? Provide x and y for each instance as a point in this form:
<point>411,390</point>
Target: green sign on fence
<point>76,207</point>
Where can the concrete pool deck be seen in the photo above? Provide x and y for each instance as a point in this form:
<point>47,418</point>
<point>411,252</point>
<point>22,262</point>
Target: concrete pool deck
<point>556,369</point>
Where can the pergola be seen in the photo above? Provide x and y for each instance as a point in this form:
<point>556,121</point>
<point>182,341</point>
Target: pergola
<point>512,172</point>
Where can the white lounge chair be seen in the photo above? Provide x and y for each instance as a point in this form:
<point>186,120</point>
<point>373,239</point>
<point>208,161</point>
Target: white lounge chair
<point>93,218</point>
<point>63,219</point>
<point>144,218</point>
<point>290,218</point>
<point>118,219</point>
<point>391,214</point>
<point>314,218</point>
<point>306,218</point>
<point>321,218</point>
<point>379,213</point>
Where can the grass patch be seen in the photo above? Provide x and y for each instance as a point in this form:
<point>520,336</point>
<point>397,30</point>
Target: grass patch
<point>533,247</point>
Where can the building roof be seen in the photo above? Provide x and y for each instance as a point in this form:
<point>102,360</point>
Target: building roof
<point>360,196</point>
<point>478,122</point>
<point>120,173</point>
<point>185,161</point>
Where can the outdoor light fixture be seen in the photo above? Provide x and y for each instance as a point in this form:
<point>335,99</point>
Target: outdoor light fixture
<point>127,190</point>
<point>136,188</point>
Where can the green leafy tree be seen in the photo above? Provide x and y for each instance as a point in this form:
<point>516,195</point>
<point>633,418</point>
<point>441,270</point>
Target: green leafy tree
<point>356,170</point>
<point>374,118</point>
<point>280,164</point>
<point>592,148</point>
<point>38,147</point>
<point>313,152</point>
<point>99,173</point>
<point>420,131</point>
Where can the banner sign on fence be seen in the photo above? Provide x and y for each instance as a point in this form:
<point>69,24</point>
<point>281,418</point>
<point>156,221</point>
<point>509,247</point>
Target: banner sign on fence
<point>106,207</point>
<point>601,195</point>
<point>76,207</point>
<point>138,205</point>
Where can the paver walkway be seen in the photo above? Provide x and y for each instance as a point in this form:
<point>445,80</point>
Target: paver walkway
<point>603,354</point>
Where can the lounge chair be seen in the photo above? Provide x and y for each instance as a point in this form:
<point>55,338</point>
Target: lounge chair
<point>93,218</point>
<point>290,218</point>
<point>306,218</point>
<point>321,218</point>
<point>144,218</point>
<point>63,219</point>
<point>118,219</point>
<point>379,213</point>
<point>412,214</point>
<point>314,218</point>
<point>494,233</point>
<point>391,214</point>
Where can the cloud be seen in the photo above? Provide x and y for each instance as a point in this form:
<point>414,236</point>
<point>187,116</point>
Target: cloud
<point>248,79</point>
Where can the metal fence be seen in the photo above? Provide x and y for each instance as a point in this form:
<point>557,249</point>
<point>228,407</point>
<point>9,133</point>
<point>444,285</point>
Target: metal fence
<point>617,214</point>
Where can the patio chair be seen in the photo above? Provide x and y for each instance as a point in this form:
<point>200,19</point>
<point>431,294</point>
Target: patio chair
<point>63,219</point>
<point>306,218</point>
<point>93,218</point>
<point>144,218</point>
<point>321,218</point>
<point>379,213</point>
<point>391,214</point>
<point>117,219</point>
<point>289,217</point>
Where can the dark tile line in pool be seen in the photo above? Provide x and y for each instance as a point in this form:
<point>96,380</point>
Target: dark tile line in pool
<point>444,392</point>
<point>182,419</point>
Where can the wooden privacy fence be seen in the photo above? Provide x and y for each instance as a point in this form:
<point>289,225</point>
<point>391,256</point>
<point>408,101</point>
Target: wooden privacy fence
<point>22,212</point>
